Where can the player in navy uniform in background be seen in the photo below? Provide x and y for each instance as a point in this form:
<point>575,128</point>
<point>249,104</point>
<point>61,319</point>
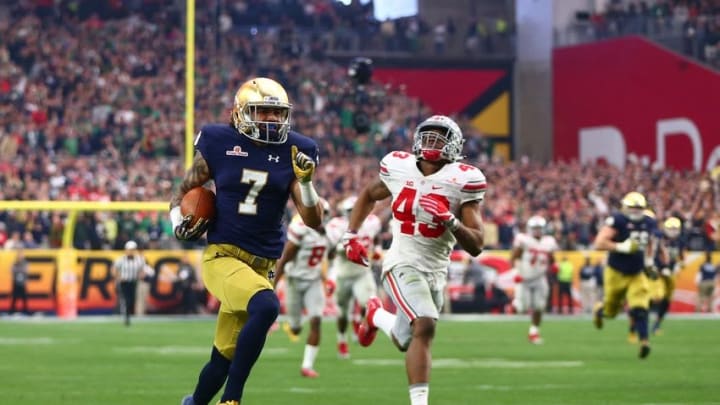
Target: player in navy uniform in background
<point>627,236</point>
<point>256,163</point>
<point>668,260</point>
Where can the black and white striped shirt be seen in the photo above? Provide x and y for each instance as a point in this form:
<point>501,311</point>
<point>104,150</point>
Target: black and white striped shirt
<point>128,268</point>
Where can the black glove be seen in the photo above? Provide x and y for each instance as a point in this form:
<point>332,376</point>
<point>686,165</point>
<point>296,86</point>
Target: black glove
<point>185,232</point>
<point>651,272</point>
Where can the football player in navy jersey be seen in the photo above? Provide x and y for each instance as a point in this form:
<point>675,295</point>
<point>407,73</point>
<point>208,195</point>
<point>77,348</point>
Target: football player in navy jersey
<point>257,164</point>
<point>668,260</point>
<point>627,237</point>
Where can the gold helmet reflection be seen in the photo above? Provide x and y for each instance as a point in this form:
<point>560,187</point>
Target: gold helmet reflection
<point>634,199</point>
<point>259,93</point>
<point>672,227</point>
<point>634,205</point>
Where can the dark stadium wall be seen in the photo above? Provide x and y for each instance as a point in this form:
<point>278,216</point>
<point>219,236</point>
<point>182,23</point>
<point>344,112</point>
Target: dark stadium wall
<point>630,96</point>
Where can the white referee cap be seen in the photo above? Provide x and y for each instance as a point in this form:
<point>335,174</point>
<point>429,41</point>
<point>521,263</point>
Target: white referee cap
<point>130,245</point>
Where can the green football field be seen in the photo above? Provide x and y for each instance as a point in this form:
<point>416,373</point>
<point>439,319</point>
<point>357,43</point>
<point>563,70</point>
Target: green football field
<point>475,362</point>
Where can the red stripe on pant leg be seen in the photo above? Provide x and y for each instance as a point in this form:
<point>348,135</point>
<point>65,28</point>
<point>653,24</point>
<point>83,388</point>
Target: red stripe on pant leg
<point>399,298</point>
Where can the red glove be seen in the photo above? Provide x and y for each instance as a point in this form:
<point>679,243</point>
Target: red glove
<point>354,250</point>
<point>518,278</point>
<point>329,287</point>
<point>436,207</point>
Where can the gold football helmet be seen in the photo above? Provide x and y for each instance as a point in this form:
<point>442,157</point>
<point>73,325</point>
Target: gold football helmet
<point>672,227</point>
<point>255,95</point>
<point>634,205</point>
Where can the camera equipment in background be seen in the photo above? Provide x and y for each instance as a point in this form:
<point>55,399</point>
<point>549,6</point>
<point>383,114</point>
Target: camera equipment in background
<point>360,72</point>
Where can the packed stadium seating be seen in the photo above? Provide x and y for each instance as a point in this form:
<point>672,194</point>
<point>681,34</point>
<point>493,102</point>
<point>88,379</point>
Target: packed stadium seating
<point>98,115</point>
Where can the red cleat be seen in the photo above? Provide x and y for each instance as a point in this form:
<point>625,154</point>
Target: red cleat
<point>309,373</point>
<point>535,339</point>
<point>343,351</point>
<point>367,330</point>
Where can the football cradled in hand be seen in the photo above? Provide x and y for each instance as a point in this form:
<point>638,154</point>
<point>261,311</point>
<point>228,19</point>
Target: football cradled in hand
<point>200,203</point>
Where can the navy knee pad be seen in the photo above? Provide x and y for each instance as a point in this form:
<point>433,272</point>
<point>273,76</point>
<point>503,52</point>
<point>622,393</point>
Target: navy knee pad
<point>265,305</point>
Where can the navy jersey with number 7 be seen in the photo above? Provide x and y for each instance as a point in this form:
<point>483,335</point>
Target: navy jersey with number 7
<point>252,186</point>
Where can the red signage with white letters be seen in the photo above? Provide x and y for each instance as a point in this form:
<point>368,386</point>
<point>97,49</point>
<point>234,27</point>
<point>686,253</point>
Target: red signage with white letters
<point>630,96</point>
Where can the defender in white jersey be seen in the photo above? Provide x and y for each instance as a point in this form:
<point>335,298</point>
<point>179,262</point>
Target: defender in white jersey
<point>301,263</point>
<point>354,282</point>
<point>532,256</point>
<point>435,204</point>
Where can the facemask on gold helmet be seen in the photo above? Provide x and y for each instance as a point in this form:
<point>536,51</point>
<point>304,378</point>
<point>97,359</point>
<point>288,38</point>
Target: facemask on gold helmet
<point>261,111</point>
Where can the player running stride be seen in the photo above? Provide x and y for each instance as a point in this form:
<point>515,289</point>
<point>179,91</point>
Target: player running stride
<point>302,263</point>
<point>257,164</point>
<point>532,255</point>
<point>435,203</point>
<point>354,282</point>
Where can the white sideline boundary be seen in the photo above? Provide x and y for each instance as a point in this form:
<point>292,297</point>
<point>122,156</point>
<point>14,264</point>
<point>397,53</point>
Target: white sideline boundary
<point>42,319</point>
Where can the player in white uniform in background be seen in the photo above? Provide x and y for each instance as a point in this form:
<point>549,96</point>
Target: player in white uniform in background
<point>353,282</point>
<point>532,256</point>
<point>301,263</point>
<point>436,203</point>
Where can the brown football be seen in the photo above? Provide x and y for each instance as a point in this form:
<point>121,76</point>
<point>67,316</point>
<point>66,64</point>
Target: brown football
<point>200,203</point>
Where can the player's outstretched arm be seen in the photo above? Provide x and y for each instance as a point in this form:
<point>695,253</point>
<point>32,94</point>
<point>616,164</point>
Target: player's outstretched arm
<point>603,240</point>
<point>289,253</point>
<point>354,250</point>
<point>469,233</point>
<point>373,192</point>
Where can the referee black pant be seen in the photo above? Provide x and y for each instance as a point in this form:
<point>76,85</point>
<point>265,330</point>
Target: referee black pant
<point>127,292</point>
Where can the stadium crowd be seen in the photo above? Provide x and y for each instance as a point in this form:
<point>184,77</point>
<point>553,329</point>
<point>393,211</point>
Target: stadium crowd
<point>92,104</point>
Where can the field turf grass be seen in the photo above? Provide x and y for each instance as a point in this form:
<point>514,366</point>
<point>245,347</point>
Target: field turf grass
<point>479,362</point>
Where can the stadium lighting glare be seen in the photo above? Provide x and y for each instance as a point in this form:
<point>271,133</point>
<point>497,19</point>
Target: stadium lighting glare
<point>392,9</point>
<point>389,9</point>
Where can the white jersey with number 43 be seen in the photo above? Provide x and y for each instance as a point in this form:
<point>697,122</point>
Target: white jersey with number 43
<point>535,258</point>
<point>313,248</point>
<point>417,240</point>
<point>370,228</point>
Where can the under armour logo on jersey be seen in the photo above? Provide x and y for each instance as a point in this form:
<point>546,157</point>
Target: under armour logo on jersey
<point>275,159</point>
<point>271,275</point>
<point>410,183</point>
<point>236,151</point>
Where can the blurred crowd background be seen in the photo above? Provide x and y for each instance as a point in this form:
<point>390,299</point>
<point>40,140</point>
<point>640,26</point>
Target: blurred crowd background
<point>92,104</point>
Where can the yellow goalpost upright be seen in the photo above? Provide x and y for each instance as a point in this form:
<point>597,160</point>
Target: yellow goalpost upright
<point>67,256</point>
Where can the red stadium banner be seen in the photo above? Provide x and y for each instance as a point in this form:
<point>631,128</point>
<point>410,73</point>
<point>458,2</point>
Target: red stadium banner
<point>630,96</point>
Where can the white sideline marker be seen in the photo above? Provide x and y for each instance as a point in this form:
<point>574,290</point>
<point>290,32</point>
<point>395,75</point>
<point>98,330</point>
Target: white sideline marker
<point>475,363</point>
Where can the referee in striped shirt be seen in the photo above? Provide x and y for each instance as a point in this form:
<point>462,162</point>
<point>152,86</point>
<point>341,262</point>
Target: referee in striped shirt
<point>126,270</point>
